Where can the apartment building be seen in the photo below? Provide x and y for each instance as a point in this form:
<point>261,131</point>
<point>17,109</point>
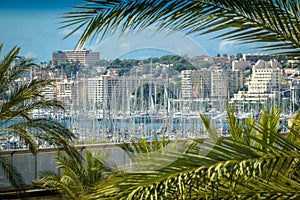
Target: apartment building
<point>66,92</point>
<point>49,92</point>
<point>187,84</point>
<point>266,77</point>
<point>95,89</point>
<point>236,81</point>
<point>219,83</point>
<point>195,83</point>
<point>204,83</point>
<point>85,57</point>
<point>264,83</point>
<point>114,88</point>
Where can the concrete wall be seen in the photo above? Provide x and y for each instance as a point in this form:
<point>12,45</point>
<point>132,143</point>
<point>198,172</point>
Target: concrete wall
<point>30,165</point>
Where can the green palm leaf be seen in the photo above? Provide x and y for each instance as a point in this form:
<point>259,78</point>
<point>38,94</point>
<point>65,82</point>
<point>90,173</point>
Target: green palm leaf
<point>275,22</point>
<point>77,177</point>
<point>229,169</point>
<point>12,174</point>
<point>17,101</point>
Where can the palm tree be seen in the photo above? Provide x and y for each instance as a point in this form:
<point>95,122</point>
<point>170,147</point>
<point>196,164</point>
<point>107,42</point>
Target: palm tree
<point>76,178</point>
<point>19,96</point>
<point>275,23</point>
<point>260,163</point>
<point>256,161</point>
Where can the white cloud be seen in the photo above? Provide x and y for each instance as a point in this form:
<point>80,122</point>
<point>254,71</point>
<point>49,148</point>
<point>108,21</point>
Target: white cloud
<point>66,31</point>
<point>31,54</point>
<point>124,46</point>
<point>226,46</point>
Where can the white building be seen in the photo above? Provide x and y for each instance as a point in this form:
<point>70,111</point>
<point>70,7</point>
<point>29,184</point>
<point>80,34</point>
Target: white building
<point>186,84</point>
<point>95,89</point>
<point>49,92</point>
<point>219,83</point>
<point>204,83</point>
<point>266,77</point>
<point>264,83</point>
<point>66,92</point>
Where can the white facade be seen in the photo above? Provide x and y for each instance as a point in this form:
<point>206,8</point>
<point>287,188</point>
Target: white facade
<point>66,92</point>
<point>95,89</point>
<point>49,92</point>
<point>195,83</point>
<point>211,83</point>
<point>264,83</point>
<point>186,84</point>
<point>266,77</point>
<point>219,83</point>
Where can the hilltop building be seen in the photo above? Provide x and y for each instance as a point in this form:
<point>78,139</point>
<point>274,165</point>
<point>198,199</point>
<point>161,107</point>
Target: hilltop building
<point>265,57</point>
<point>85,57</point>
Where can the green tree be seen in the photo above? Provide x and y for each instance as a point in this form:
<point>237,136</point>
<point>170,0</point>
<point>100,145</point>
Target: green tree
<point>69,68</point>
<point>19,97</point>
<point>239,56</point>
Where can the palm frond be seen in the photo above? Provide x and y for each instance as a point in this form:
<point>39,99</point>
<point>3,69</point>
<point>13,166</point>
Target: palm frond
<point>266,21</point>
<point>293,134</point>
<point>18,99</point>
<point>211,130</point>
<point>229,168</point>
<point>77,177</point>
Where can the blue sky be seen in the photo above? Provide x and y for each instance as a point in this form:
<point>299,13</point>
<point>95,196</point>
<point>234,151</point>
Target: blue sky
<point>33,26</point>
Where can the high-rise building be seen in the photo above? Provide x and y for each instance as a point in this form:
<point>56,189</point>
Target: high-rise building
<point>204,83</point>
<point>219,83</point>
<point>186,83</point>
<point>85,57</point>
<point>236,81</point>
<point>195,84</point>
